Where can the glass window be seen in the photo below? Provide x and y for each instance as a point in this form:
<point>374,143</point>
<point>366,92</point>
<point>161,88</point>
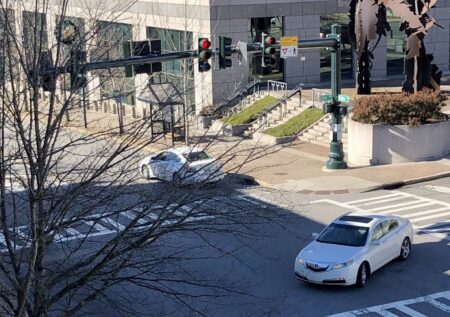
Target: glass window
<point>7,33</point>
<point>377,232</point>
<point>274,27</point>
<point>35,37</point>
<point>344,235</point>
<point>172,157</point>
<point>161,157</point>
<point>393,224</point>
<point>346,48</point>
<point>395,45</point>
<point>196,156</point>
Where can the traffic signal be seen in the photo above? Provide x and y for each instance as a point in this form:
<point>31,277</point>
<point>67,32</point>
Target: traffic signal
<point>48,80</point>
<point>204,54</point>
<point>77,71</point>
<point>225,52</point>
<point>142,48</point>
<point>268,50</point>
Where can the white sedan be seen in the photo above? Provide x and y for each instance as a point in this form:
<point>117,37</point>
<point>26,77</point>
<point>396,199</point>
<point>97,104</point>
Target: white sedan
<point>352,247</point>
<point>183,165</point>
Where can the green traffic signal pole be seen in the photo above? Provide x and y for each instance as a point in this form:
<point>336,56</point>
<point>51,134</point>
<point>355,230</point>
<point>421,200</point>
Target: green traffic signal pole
<point>336,155</point>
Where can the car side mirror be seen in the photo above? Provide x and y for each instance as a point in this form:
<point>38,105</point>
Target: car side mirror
<point>375,243</point>
<point>315,235</point>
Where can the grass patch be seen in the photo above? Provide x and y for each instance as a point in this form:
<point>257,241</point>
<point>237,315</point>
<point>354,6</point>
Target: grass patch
<point>296,124</point>
<point>250,113</point>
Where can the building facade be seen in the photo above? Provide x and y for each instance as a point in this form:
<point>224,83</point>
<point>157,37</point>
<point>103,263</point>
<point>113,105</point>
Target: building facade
<point>179,24</point>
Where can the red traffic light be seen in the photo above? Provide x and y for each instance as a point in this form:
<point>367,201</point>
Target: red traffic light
<point>270,40</point>
<point>205,44</point>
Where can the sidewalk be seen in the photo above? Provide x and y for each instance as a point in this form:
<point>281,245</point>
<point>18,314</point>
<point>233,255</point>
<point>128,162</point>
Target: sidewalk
<point>300,168</point>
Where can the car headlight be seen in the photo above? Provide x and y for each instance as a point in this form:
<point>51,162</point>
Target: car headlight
<point>301,261</point>
<point>342,265</point>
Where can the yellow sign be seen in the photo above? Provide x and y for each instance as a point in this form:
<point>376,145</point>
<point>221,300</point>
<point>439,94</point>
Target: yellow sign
<point>289,41</point>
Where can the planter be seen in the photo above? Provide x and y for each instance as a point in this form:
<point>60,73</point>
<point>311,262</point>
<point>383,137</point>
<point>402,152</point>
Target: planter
<point>266,139</point>
<point>387,144</point>
<point>204,122</point>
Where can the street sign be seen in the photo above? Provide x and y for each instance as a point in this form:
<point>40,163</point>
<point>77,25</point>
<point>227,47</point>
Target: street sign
<point>325,97</point>
<point>344,98</point>
<point>288,46</point>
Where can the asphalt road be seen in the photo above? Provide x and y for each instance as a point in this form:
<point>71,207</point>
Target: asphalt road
<point>260,266</point>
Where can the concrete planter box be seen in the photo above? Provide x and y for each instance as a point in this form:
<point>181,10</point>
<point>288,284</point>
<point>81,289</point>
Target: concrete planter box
<point>387,144</point>
<point>228,129</point>
<point>266,139</point>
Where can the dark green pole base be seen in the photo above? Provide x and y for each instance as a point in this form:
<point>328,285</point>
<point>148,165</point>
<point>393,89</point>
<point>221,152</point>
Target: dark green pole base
<point>336,157</point>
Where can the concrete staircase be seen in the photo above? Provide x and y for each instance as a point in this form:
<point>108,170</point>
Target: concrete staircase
<point>281,114</point>
<point>319,133</point>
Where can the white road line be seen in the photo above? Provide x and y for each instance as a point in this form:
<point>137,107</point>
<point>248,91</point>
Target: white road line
<point>407,208</point>
<point>343,205</point>
<point>430,217</point>
<point>114,223</point>
<point>72,231</point>
<point>372,198</point>
<point>130,215</point>
<point>381,201</point>
<point>440,189</point>
<point>427,212</point>
<point>409,203</point>
<point>98,227</point>
<point>268,201</point>
<point>401,306</point>
<point>409,311</point>
<point>437,202</point>
<point>2,239</point>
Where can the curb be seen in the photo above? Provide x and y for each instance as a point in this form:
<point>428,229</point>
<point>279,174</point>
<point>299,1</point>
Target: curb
<point>395,185</point>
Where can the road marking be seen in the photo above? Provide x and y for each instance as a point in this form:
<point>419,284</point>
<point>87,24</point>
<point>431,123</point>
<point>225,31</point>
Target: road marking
<point>372,198</point>
<point>396,205</point>
<point>430,217</point>
<point>114,223</point>
<point>98,226</point>
<point>406,208</point>
<point>401,306</point>
<point>427,212</point>
<point>440,189</point>
<point>381,201</point>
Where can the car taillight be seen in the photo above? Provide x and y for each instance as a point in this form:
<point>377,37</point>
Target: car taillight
<point>190,169</point>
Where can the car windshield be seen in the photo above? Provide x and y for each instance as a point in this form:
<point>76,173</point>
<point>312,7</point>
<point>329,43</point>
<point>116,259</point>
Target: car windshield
<point>344,235</point>
<point>196,156</point>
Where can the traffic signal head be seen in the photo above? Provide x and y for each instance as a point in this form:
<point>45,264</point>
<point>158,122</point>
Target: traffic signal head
<point>142,48</point>
<point>268,50</point>
<point>204,54</point>
<point>77,72</point>
<point>225,52</point>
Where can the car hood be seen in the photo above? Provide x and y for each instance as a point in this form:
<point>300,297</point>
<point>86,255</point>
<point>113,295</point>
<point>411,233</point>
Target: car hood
<point>331,253</point>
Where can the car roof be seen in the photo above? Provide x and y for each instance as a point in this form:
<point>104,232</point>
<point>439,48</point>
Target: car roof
<point>185,149</point>
<point>360,219</point>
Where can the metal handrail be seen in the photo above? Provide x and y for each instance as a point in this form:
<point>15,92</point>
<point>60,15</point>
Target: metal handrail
<point>224,105</point>
<point>283,99</point>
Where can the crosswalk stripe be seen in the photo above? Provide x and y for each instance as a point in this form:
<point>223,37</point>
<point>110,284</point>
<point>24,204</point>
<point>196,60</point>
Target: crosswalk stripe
<point>372,198</point>
<point>430,217</point>
<point>381,201</point>
<point>406,208</point>
<point>114,223</point>
<point>427,212</point>
<point>98,226</point>
<point>131,216</point>
<point>72,231</point>
<point>409,311</point>
<point>439,305</point>
<point>440,189</point>
<point>392,206</point>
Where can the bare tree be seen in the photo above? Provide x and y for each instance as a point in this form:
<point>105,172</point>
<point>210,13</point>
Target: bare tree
<point>77,222</point>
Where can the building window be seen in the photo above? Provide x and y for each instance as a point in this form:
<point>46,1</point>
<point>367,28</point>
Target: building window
<point>274,27</point>
<point>173,71</point>
<point>395,46</point>
<point>35,36</point>
<point>110,40</point>
<point>346,48</point>
<point>7,33</point>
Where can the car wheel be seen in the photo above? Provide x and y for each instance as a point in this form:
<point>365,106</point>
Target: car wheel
<point>405,249</point>
<point>146,172</point>
<point>363,275</point>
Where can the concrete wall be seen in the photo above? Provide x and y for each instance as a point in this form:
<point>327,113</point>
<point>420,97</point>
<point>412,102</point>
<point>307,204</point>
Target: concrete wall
<point>384,144</point>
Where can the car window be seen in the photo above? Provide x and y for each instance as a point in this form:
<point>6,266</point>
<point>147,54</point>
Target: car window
<point>385,227</point>
<point>161,157</point>
<point>344,235</point>
<point>393,224</point>
<point>196,156</point>
<point>172,157</point>
<point>377,232</point>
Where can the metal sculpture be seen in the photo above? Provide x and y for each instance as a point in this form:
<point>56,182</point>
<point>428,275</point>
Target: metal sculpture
<point>368,22</point>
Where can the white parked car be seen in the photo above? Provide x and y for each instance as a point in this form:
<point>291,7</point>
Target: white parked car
<point>183,165</point>
<point>352,247</point>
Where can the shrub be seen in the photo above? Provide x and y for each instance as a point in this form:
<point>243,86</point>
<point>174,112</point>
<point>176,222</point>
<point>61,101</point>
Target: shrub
<point>296,124</point>
<point>399,109</point>
<point>250,113</point>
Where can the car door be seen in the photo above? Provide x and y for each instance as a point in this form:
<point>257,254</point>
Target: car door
<point>173,165</point>
<point>377,247</point>
<point>393,238</point>
<point>157,164</point>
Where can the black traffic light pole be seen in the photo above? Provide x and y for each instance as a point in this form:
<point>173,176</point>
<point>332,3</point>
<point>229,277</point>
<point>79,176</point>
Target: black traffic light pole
<point>131,61</point>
